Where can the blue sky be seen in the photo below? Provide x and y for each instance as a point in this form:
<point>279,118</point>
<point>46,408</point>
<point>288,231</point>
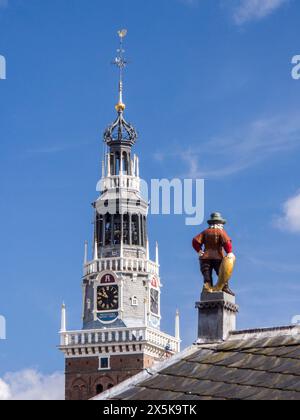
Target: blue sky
<point>210,91</point>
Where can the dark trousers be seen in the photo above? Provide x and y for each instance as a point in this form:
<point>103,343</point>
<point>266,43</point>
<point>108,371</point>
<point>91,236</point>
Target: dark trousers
<point>207,269</point>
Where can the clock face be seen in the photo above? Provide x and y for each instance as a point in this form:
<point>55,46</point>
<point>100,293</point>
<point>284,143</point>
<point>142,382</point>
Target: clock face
<point>154,306</point>
<point>107,298</point>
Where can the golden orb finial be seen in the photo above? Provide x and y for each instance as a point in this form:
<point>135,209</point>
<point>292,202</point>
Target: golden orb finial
<point>120,107</point>
<point>122,33</point>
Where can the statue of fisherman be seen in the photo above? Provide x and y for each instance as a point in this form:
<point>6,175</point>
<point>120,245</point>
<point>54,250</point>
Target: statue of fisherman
<point>210,245</point>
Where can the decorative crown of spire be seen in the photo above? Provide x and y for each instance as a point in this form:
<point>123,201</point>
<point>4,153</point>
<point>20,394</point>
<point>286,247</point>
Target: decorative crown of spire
<point>120,130</point>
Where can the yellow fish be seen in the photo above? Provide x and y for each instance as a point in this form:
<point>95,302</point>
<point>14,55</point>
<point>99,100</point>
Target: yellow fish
<point>225,274</point>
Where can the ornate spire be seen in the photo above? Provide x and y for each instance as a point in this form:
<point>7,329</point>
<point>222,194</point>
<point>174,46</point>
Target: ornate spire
<point>120,130</point>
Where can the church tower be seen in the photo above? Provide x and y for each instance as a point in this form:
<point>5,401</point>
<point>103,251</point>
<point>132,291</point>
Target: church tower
<point>121,333</point>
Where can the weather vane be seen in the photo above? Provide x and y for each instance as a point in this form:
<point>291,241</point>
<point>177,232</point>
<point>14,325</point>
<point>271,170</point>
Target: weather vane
<point>121,62</point>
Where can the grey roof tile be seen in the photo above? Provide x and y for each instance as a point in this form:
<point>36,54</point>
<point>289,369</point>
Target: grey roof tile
<point>130,393</point>
<point>236,345</point>
<point>256,362</point>
<point>146,394</point>
<point>233,392</point>
<point>200,355</point>
<point>170,383</point>
<point>187,397</point>
<point>206,388</point>
<point>269,394</point>
<point>219,358</point>
<point>186,369</point>
<point>232,359</point>
<point>289,383</point>
<point>283,351</point>
<point>288,366</point>
<point>294,352</point>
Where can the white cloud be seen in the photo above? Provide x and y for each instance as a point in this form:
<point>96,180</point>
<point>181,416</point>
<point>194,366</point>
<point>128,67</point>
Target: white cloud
<point>4,391</point>
<point>290,220</point>
<point>32,385</point>
<point>244,11</point>
<point>248,10</point>
<point>232,153</point>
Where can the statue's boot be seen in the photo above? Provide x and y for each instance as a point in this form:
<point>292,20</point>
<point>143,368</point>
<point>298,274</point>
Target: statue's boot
<point>226,289</point>
<point>208,287</point>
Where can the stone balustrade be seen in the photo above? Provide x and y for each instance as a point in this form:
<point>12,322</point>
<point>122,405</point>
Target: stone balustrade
<point>121,181</point>
<point>121,264</point>
<point>120,336</point>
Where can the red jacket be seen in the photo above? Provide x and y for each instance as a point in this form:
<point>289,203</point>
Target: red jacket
<point>213,242</point>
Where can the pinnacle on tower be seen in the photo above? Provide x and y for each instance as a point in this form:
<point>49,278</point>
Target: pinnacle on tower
<point>85,260</point>
<point>63,325</point>
<point>157,254</point>
<point>177,326</point>
<point>96,250</point>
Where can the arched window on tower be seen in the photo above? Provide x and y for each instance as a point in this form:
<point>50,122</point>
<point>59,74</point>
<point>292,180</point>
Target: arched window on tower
<point>112,157</point>
<point>125,163</point>
<point>99,389</point>
<point>117,168</point>
<point>126,229</point>
<point>117,229</point>
<point>108,228</point>
<point>109,386</point>
<point>135,230</point>
<point>142,230</point>
<point>99,229</point>
<point>145,230</point>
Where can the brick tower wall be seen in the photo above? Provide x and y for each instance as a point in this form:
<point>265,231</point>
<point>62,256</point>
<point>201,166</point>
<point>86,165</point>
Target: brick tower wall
<point>84,380</point>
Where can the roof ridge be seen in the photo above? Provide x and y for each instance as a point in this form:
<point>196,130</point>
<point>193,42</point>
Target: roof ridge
<point>287,328</point>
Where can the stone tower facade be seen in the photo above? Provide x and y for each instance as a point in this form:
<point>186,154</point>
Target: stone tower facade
<point>121,333</point>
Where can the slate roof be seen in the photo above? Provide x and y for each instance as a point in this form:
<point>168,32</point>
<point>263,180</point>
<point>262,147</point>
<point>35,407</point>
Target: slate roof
<point>258,364</point>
